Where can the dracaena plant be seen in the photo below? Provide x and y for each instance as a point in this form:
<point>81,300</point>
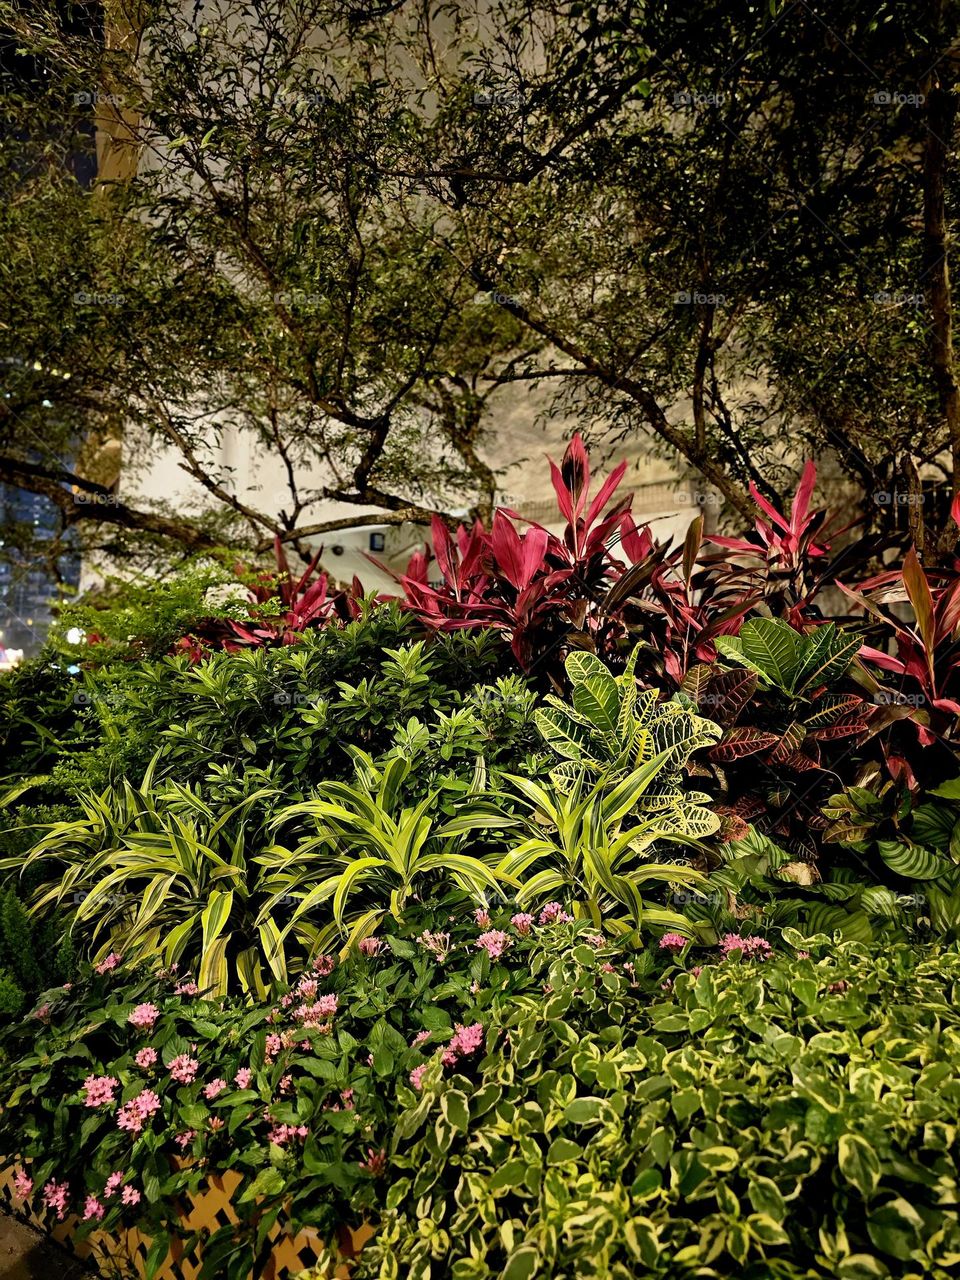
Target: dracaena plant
<point>362,847</point>
<point>783,700</point>
<point>594,845</point>
<point>171,873</point>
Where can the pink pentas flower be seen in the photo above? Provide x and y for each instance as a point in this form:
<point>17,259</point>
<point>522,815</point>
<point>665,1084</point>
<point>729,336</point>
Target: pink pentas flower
<point>55,1196</point>
<point>324,965</point>
<point>184,1139</point>
<point>752,947</point>
<point>482,917</point>
<point>596,940</point>
<point>672,942</point>
<point>130,1196</point>
<point>111,962</point>
<point>215,1123</point>
<point>420,1037</point>
<point>370,946</point>
<point>93,1210</point>
<point>184,1069</point>
<point>553,913</point>
<point>417,1074</point>
<point>273,1047</point>
<point>243,1077</point>
<point>100,1090</point>
<point>214,1089</point>
<point>465,1040</point>
<point>282,1134</point>
<point>42,1014</point>
<point>113,1185</point>
<point>134,1114</point>
<point>522,922</point>
<point>438,944</point>
<point>23,1184</point>
<point>186,989</point>
<point>144,1016</point>
<point>307,989</point>
<point>495,943</point>
<point>145,1058</point>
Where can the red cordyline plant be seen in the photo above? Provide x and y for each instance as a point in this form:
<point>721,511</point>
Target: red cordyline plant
<point>545,593</point>
<point>926,657</point>
<point>785,561</point>
<point>282,609</point>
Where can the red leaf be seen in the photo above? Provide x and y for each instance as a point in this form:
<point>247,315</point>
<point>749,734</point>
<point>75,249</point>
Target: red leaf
<point>575,472</point>
<point>607,490</point>
<point>801,501</point>
<point>737,743</point>
<point>769,508</point>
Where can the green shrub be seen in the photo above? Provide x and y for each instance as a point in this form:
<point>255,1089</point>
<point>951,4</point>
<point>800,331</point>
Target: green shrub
<point>781,1120</point>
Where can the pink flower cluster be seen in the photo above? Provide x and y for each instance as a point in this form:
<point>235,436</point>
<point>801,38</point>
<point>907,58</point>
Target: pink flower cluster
<point>186,989</point>
<point>134,1114</point>
<point>214,1089</point>
<point>465,1040</point>
<point>281,1134</point>
<point>673,942</point>
<point>144,1016</point>
<point>55,1196</point>
<point>100,1090</point>
<point>370,946</point>
<point>317,1014</point>
<point>23,1184</point>
<point>752,947</point>
<point>323,966</point>
<point>111,962</point>
<point>438,944</point>
<point>553,913</point>
<point>495,943</point>
<point>243,1077</point>
<point>145,1058</point>
<point>184,1069</point>
<point>482,917</point>
<point>522,922</point>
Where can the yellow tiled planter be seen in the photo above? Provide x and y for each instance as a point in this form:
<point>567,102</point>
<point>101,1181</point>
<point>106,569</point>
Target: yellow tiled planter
<point>205,1211</point>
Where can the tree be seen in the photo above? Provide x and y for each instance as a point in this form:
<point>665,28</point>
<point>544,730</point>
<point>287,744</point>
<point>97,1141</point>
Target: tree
<point>692,225</point>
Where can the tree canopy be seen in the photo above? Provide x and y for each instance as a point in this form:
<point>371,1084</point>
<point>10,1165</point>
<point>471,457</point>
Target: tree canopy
<point>715,231</point>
